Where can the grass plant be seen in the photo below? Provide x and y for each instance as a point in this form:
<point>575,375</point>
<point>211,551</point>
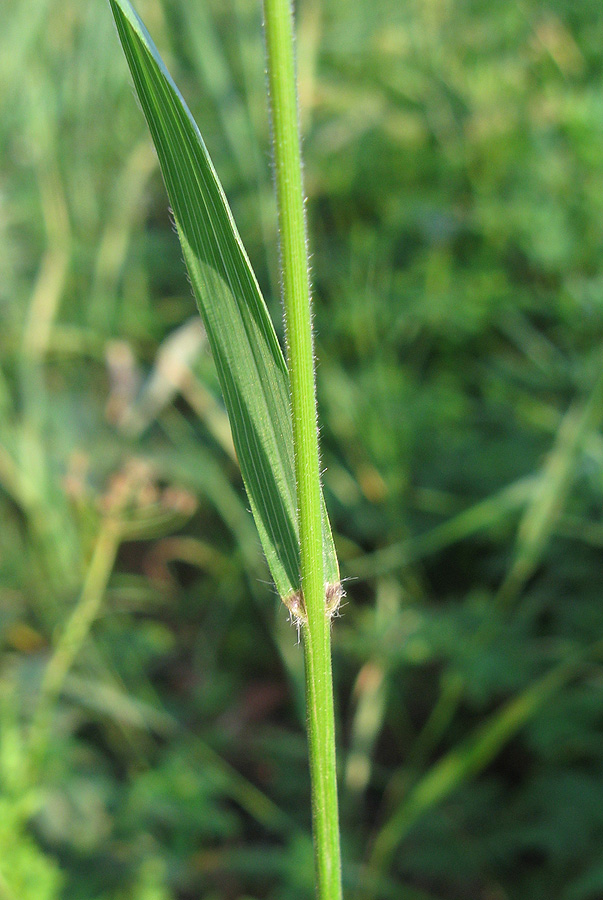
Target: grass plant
<point>276,444</point>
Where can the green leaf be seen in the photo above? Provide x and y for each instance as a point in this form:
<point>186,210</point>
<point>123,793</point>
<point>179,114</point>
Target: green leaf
<point>251,367</point>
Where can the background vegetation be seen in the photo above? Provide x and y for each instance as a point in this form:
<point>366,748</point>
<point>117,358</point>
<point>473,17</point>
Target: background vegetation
<point>151,711</point>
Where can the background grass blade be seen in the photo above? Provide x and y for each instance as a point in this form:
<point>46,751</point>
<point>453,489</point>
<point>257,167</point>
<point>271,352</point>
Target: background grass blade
<point>472,756</point>
<point>250,363</point>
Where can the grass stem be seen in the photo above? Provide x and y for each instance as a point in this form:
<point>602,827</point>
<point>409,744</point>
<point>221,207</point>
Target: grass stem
<point>297,300</point>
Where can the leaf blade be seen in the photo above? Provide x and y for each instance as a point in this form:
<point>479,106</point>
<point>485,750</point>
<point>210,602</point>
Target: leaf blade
<point>251,367</point>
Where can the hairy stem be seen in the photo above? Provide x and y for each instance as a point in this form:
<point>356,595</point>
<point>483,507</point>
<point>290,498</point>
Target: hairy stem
<point>296,291</point>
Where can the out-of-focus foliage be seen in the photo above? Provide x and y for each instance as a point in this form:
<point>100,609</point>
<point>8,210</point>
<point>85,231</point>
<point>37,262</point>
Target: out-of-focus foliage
<point>151,708</point>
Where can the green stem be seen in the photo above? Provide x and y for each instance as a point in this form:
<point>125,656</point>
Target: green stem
<point>74,634</point>
<point>296,291</point>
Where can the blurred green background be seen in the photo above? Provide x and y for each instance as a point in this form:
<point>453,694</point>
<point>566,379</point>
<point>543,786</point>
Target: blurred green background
<point>152,740</point>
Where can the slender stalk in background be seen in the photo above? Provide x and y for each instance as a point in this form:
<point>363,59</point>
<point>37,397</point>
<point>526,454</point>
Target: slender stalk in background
<point>75,633</point>
<point>296,292</point>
